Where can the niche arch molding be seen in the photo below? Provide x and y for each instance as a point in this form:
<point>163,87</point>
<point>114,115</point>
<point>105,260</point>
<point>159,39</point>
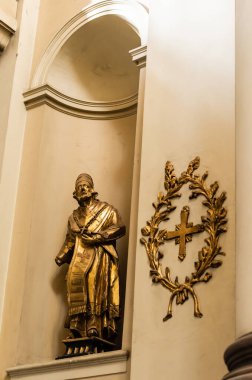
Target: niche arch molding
<point>135,15</point>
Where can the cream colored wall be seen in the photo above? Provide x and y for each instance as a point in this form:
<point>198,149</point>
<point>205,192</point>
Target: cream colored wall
<point>188,111</point>
<point>9,7</point>
<point>15,285</point>
<point>53,15</point>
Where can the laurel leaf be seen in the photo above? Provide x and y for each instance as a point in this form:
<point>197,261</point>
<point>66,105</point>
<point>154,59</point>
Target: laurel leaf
<point>178,299</point>
<point>193,186</point>
<point>222,222</point>
<point>176,195</point>
<point>164,214</point>
<point>221,200</point>
<point>162,234</point>
<point>205,175</point>
<point>223,212</point>
<point>221,230</point>
<point>145,231</point>
<point>160,196</point>
<point>205,219</point>
<point>206,203</point>
<point>193,165</point>
<point>194,195</point>
<point>216,264</point>
<point>167,274</point>
<point>214,187</point>
<point>203,253</point>
<point>207,277</point>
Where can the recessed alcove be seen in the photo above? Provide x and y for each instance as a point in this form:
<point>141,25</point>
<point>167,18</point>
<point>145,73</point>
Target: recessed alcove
<point>95,64</point>
<point>92,66</point>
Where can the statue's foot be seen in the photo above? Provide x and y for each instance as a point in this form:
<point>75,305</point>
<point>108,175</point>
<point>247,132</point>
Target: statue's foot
<point>75,333</point>
<point>92,332</point>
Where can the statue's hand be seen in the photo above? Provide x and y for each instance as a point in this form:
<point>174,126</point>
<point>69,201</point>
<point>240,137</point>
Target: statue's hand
<point>58,261</point>
<point>91,238</point>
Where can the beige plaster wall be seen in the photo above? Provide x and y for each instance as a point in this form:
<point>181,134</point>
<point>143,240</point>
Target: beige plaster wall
<point>53,15</point>
<point>15,285</point>
<point>189,111</point>
<point>9,7</point>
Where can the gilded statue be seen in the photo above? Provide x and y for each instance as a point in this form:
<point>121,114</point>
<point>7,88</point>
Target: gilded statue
<point>92,278</point>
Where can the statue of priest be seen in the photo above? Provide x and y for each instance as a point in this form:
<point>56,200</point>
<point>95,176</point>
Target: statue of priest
<point>92,278</point>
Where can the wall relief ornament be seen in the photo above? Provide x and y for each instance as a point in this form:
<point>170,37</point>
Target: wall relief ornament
<point>213,223</point>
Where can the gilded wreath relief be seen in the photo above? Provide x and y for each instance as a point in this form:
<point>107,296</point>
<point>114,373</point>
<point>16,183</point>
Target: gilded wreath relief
<point>213,223</point>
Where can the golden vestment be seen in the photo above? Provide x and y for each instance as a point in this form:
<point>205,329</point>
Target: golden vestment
<point>92,278</point>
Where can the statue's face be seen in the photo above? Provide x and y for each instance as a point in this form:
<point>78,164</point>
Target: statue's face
<point>83,191</point>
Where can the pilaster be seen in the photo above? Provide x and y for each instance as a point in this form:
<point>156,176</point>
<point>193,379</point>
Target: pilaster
<point>238,355</point>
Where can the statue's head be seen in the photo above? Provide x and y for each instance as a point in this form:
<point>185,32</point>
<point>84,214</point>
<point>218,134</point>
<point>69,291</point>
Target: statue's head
<point>84,189</point>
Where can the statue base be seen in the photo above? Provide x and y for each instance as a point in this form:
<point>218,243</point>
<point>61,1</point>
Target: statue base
<point>85,346</point>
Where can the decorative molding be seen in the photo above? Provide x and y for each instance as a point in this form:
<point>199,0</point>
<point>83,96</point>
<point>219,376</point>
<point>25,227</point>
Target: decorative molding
<point>75,368</point>
<point>8,26</point>
<point>46,94</point>
<point>238,358</point>
<point>135,14</point>
<point>139,56</point>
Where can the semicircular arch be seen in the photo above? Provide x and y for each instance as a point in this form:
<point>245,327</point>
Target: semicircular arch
<point>134,13</point>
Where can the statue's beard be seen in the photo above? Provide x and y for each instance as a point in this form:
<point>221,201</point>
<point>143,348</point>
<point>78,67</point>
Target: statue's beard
<point>83,198</point>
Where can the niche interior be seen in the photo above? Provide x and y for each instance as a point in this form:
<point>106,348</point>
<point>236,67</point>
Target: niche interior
<point>89,127</point>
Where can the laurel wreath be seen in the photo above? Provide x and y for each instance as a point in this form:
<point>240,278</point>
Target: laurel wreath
<point>214,223</point>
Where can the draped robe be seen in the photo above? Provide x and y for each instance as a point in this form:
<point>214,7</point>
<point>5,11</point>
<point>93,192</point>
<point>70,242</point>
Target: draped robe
<point>92,278</point>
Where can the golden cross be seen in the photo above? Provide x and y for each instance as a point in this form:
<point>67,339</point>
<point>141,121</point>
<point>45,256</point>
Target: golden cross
<point>183,232</point>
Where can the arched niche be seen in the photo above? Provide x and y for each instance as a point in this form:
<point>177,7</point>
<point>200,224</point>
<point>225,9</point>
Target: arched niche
<point>134,13</point>
<point>95,42</point>
<point>81,118</point>
<point>94,64</point>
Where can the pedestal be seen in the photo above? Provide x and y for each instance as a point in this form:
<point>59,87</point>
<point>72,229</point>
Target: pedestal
<point>85,346</point>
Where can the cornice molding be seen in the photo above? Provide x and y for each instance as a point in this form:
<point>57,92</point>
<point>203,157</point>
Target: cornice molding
<point>139,56</point>
<point>46,94</point>
<point>135,14</point>
<point>8,26</point>
<point>90,365</point>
